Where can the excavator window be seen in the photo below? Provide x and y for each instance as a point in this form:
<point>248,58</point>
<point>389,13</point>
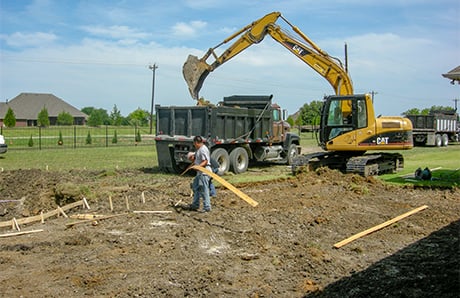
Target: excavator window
<point>340,117</point>
<point>362,113</point>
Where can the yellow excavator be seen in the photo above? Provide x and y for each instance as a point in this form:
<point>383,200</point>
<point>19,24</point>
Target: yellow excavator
<point>348,126</point>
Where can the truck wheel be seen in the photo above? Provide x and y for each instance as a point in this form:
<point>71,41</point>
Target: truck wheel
<point>291,154</point>
<point>239,160</point>
<point>221,156</point>
<point>438,140</point>
<point>445,140</point>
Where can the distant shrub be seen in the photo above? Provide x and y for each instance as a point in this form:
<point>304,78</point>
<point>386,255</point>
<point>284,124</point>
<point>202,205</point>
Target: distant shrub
<point>89,140</point>
<point>31,142</point>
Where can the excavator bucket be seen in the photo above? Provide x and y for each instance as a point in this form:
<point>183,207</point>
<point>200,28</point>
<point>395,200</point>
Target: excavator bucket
<point>195,72</point>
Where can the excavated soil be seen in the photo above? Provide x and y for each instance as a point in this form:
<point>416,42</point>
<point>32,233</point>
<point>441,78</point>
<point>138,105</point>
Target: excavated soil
<point>281,248</point>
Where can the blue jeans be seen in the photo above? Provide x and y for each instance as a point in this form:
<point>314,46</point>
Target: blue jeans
<point>201,190</point>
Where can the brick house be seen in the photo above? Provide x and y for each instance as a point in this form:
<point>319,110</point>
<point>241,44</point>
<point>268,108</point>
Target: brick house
<point>27,106</point>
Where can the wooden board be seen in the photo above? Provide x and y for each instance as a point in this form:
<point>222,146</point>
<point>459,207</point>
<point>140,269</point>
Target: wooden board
<point>378,227</point>
<point>71,224</point>
<point>43,216</point>
<point>20,233</point>
<point>232,188</point>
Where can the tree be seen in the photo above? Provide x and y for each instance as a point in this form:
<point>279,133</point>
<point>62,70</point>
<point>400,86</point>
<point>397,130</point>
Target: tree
<point>43,119</point>
<point>10,118</point>
<point>413,111</point>
<point>428,111</point>
<point>64,118</point>
<point>137,138</point>
<point>115,116</point>
<point>115,138</point>
<point>88,110</point>
<point>89,140</point>
<point>139,117</point>
<point>310,113</point>
<point>60,140</point>
<point>98,117</point>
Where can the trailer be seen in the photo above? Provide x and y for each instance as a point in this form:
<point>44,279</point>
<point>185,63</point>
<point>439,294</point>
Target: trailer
<point>436,129</point>
<point>238,131</point>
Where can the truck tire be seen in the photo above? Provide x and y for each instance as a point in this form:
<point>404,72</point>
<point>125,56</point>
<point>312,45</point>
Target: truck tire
<point>221,156</point>
<point>239,160</point>
<point>438,140</point>
<point>445,140</point>
<point>291,154</point>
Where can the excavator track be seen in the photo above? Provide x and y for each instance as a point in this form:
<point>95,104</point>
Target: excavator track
<point>365,165</point>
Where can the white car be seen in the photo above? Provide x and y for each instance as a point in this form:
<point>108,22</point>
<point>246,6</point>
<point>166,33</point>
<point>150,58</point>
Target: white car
<point>3,146</point>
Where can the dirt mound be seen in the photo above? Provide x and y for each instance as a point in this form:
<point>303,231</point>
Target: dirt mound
<point>281,248</point>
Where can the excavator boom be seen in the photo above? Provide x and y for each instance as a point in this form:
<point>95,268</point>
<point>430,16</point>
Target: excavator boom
<point>195,70</point>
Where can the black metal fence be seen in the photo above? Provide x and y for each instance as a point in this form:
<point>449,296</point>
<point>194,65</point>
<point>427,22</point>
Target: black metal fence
<point>75,136</point>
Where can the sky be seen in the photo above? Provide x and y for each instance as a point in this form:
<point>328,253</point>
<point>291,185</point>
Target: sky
<point>98,53</point>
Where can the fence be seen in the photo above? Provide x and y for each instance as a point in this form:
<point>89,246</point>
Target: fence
<point>75,136</point>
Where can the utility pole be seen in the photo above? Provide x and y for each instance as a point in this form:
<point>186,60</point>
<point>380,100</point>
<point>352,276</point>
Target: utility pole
<point>372,95</point>
<point>153,68</point>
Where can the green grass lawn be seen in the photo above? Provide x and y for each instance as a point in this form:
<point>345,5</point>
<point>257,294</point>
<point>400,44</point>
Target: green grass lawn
<point>99,158</point>
<point>145,156</point>
<point>446,161</point>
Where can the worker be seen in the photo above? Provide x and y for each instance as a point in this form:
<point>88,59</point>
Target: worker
<point>201,181</point>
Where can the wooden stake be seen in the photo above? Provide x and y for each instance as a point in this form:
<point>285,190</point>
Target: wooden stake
<point>378,227</point>
<point>15,224</point>
<point>42,219</point>
<point>180,201</point>
<point>20,233</point>
<point>143,198</point>
<point>127,203</point>
<point>62,211</point>
<point>85,202</point>
<point>110,203</point>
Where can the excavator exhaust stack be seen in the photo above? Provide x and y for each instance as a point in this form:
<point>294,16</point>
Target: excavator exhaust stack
<point>195,72</point>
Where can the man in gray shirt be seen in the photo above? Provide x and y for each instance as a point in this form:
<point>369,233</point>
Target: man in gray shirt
<point>201,181</point>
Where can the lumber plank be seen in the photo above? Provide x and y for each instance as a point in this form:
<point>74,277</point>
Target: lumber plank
<point>378,227</point>
<point>20,233</point>
<point>151,212</point>
<point>43,216</point>
<point>232,188</point>
<point>71,224</point>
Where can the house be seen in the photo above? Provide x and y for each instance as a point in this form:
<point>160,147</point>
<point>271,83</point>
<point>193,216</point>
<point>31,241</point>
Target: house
<point>453,75</point>
<point>27,106</point>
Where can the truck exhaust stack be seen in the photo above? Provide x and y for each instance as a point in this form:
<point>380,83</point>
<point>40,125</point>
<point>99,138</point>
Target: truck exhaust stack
<point>195,72</point>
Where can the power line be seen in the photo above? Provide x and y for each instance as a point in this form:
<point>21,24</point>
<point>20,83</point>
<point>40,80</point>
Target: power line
<point>87,62</point>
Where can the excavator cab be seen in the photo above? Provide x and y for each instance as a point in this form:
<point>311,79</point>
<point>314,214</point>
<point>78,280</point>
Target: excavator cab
<point>342,116</point>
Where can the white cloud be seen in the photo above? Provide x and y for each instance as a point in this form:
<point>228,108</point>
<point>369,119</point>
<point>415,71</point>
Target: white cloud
<point>115,32</point>
<point>36,39</point>
<point>188,30</point>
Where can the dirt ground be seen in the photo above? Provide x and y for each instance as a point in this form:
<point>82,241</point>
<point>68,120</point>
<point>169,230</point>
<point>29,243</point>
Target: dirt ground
<point>281,248</point>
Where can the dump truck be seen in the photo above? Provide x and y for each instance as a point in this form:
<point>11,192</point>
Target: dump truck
<point>239,130</point>
<point>436,129</point>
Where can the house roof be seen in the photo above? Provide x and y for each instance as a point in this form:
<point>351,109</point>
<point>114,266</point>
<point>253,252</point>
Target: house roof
<point>28,105</point>
<point>454,74</point>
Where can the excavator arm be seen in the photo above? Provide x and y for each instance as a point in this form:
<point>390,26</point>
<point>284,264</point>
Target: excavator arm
<point>195,70</point>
